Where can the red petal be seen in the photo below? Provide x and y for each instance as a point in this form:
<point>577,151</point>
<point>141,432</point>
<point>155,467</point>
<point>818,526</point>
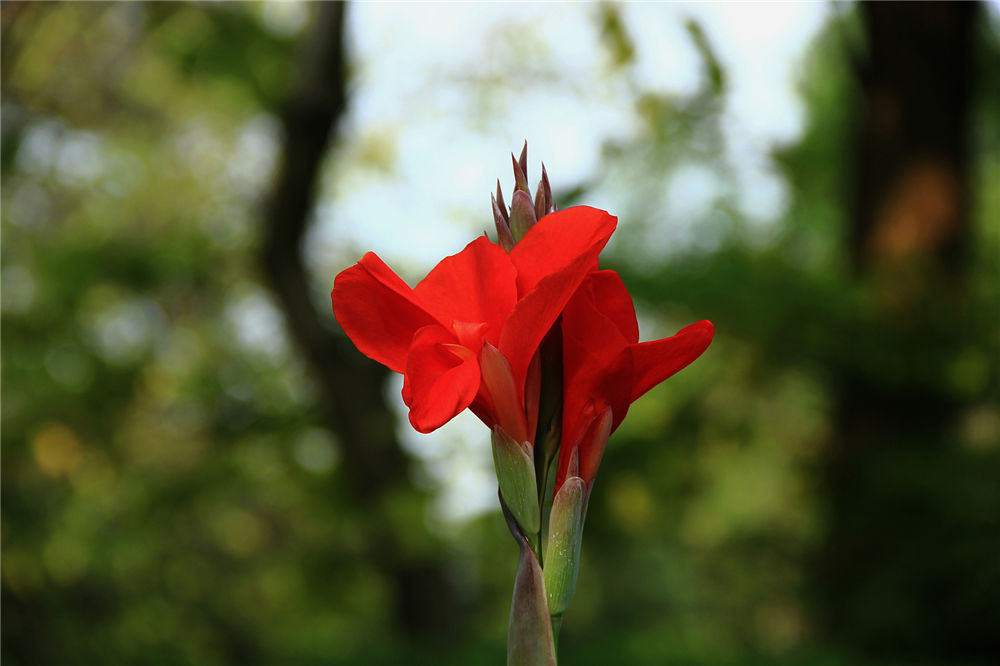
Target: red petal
<point>593,443</point>
<point>378,311</point>
<point>597,369</point>
<point>655,361</point>
<point>612,298</point>
<point>596,362</point>
<point>557,240</point>
<point>506,398</point>
<point>476,285</point>
<point>552,260</point>
<point>581,454</point>
<point>442,378</point>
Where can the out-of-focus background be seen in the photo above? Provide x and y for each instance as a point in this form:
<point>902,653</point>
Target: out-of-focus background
<point>198,468</point>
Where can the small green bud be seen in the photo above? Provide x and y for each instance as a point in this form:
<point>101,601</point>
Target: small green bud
<point>562,552</point>
<point>515,469</point>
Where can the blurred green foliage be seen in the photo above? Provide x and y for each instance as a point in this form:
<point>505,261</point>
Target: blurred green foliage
<point>171,496</point>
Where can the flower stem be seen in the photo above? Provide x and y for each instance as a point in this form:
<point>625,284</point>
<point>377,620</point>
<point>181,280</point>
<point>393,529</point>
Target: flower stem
<point>535,540</point>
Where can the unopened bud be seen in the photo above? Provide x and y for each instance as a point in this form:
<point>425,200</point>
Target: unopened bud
<point>515,468</point>
<point>562,550</point>
<point>504,237</point>
<point>529,635</point>
<point>522,214</point>
<point>540,201</point>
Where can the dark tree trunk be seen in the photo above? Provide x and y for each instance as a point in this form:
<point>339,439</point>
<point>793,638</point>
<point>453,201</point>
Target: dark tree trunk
<point>912,145</point>
<point>351,387</point>
<point>898,567</point>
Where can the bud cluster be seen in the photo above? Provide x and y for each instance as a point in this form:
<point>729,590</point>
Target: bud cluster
<point>524,211</point>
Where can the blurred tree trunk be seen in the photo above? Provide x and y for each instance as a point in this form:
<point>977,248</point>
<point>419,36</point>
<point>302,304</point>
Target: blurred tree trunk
<point>891,575</point>
<point>351,386</point>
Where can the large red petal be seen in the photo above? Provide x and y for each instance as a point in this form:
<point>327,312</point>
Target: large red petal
<point>655,361</point>
<point>378,311</point>
<point>476,285</point>
<point>597,371</point>
<point>557,240</point>
<point>613,300</point>
<point>552,260</point>
<point>442,378</point>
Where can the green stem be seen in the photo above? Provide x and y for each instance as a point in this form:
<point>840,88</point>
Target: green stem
<point>535,540</point>
<point>556,624</point>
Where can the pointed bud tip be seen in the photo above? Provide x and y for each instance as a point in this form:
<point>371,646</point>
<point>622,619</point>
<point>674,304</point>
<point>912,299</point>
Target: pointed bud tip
<point>500,202</point>
<point>549,202</point>
<point>520,178</point>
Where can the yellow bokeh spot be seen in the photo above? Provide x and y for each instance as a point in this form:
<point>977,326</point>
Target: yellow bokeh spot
<point>240,532</point>
<point>57,450</point>
<point>631,502</point>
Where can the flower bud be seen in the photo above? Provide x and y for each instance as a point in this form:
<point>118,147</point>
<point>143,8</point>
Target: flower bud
<point>530,641</point>
<point>562,551</point>
<point>515,468</point>
<point>543,196</point>
<point>504,238</point>
<point>522,214</point>
<point>540,201</point>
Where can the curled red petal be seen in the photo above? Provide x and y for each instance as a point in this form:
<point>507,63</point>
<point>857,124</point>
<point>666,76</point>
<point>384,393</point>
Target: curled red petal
<point>657,360</point>
<point>581,453</point>
<point>476,285</point>
<point>442,378</point>
<point>505,396</point>
<point>378,311</point>
<point>558,240</point>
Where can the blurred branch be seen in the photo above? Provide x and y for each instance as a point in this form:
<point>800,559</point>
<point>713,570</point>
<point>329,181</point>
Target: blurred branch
<point>351,387</point>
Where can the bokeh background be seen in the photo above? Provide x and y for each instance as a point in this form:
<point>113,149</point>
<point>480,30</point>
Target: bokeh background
<point>198,468</point>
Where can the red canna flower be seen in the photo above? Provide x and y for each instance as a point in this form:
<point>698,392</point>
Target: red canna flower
<point>606,368</point>
<point>531,336</point>
<point>466,335</point>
